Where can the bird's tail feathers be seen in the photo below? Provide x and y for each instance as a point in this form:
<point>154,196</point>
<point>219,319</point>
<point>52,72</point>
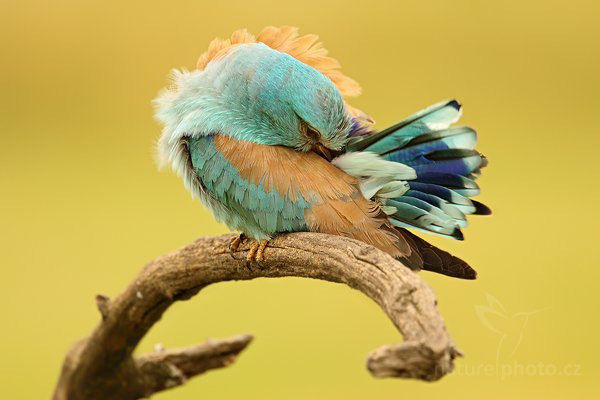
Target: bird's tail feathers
<point>426,256</point>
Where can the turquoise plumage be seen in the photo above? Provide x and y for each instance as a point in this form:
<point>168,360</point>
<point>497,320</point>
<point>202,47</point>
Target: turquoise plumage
<point>253,210</point>
<point>262,134</point>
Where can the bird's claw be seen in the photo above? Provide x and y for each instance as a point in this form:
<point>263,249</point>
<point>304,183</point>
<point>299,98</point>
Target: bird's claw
<point>257,251</point>
<point>235,243</point>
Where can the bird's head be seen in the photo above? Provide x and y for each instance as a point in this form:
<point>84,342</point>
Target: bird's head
<point>258,94</point>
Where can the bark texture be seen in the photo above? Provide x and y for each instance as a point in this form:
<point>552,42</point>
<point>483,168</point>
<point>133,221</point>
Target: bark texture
<point>101,366</point>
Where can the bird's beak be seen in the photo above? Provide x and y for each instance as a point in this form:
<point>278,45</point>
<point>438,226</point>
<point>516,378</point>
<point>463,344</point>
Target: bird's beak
<point>322,151</point>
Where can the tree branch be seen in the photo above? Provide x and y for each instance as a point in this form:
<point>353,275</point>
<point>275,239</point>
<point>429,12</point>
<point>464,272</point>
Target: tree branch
<point>101,366</point>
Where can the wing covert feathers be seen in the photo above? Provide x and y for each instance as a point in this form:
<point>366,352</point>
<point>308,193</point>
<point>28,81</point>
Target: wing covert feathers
<point>336,204</point>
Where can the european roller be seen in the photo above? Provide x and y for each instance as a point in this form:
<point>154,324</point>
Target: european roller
<point>262,134</point>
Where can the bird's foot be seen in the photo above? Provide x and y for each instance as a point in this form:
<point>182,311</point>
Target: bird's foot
<point>257,251</point>
<point>235,243</point>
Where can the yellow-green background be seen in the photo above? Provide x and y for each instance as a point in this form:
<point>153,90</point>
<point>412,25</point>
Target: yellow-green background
<point>83,206</point>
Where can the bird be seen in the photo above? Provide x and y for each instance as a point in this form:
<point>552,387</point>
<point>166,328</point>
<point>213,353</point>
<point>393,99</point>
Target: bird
<point>262,133</point>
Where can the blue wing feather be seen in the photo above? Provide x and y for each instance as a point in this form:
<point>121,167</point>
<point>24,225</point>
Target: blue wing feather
<point>446,164</point>
<point>436,117</point>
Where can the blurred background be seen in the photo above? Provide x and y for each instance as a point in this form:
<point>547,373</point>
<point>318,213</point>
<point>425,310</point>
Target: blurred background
<point>83,207</point>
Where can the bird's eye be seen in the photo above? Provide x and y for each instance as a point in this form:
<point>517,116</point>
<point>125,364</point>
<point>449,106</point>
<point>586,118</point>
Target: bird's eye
<point>309,132</point>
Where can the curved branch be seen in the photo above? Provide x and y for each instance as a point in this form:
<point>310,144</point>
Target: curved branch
<point>102,366</point>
